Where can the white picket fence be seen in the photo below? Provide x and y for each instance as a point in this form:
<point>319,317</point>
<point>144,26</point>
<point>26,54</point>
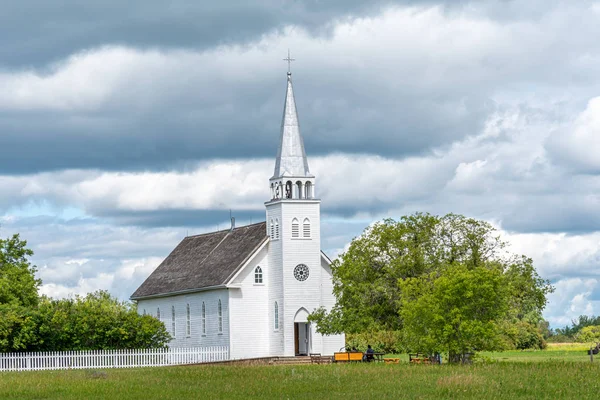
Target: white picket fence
<point>111,358</point>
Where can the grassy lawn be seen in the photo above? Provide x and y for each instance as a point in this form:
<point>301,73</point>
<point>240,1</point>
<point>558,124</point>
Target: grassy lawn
<point>557,377</point>
<point>575,352</point>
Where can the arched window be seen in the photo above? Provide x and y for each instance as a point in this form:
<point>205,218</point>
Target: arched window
<point>308,188</point>
<point>295,228</point>
<point>158,313</point>
<point>276,317</point>
<point>188,327</point>
<point>276,228</point>
<point>220,317</point>
<point>258,275</point>
<point>173,320</point>
<point>306,228</point>
<point>272,229</point>
<point>203,319</point>
<point>299,190</point>
<point>288,190</point>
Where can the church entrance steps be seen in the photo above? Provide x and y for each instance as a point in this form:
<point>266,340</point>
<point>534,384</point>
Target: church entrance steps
<point>298,360</point>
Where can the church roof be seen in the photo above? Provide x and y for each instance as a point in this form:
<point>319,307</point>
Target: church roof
<point>204,261</point>
<point>291,157</point>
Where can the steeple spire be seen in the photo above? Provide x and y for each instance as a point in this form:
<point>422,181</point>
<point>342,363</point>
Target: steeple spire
<point>291,157</point>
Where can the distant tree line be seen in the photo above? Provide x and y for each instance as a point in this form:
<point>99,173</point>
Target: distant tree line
<point>435,284</point>
<point>30,322</point>
<point>584,329</point>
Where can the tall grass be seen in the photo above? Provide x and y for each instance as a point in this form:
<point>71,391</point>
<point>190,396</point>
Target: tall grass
<point>504,380</point>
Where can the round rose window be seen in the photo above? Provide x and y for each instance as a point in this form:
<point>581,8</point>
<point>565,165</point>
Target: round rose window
<point>301,272</point>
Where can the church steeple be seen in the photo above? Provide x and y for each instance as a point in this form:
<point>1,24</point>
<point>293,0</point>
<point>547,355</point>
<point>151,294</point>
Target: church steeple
<point>292,178</point>
<point>294,249</point>
<point>291,158</point>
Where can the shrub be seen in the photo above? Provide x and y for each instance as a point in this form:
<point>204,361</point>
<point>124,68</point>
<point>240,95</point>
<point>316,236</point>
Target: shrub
<point>522,335</point>
<point>380,341</point>
<point>588,334</point>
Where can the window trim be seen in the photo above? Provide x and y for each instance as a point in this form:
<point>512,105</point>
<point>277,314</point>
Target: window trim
<point>276,317</point>
<point>258,276</point>
<point>173,323</point>
<point>295,228</point>
<point>203,319</point>
<point>188,326</point>
<point>220,312</point>
<point>306,223</point>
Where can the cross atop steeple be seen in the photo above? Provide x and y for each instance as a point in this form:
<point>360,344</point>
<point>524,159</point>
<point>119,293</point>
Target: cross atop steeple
<point>289,60</point>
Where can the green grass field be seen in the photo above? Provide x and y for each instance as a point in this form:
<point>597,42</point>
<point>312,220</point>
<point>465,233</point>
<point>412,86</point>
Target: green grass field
<point>557,373</point>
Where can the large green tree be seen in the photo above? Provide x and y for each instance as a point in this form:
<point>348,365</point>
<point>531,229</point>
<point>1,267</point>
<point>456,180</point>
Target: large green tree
<point>18,284</point>
<point>455,310</point>
<point>18,294</point>
<point>370,276</point>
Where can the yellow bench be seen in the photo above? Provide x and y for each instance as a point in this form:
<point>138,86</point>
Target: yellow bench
<point>391,360</point>
<point>347,356</point>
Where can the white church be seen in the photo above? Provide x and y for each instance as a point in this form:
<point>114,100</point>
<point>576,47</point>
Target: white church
<point>251,288</point>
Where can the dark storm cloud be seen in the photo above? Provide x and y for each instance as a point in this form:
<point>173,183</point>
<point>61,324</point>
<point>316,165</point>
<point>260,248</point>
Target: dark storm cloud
<point>34,32</point>
<point>162,120</point>
<point>554,215</point>
<point>242,121</point>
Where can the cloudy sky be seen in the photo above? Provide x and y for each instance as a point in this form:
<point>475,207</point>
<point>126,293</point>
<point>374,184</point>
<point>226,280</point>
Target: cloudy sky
<point>125,126</point>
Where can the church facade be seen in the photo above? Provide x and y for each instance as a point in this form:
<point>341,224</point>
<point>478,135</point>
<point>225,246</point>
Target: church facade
<point>251,288</point>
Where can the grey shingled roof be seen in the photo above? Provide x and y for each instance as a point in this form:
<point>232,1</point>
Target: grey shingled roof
<point>203,261</point>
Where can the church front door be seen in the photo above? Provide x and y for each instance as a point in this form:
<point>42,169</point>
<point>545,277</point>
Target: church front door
<point>302,338</point>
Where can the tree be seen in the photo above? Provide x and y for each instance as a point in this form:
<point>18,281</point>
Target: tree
<point>588,334</point>
<point>455,310</point>
<point>17,328</point>
<point>570,332</point>
<point>368,278</point>
<point>523,335</point>
<point>18,285</point>
<point>96,321</point>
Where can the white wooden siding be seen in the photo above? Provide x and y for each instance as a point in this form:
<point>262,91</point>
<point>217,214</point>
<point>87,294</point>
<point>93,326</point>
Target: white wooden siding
<point>275,287</point>
<point>248,308</point>
<point>211,299</point>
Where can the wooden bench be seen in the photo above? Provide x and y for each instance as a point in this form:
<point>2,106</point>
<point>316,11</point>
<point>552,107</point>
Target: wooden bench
<point>347,356</point>
<point>419,358</point>
<point>315,358</point>
<point>391,360</point>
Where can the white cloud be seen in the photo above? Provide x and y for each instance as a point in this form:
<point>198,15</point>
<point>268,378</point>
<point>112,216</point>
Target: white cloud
<point>570,300</point>
<point>414,49</point>
<point>579,144</point>
<point>65,278</point>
